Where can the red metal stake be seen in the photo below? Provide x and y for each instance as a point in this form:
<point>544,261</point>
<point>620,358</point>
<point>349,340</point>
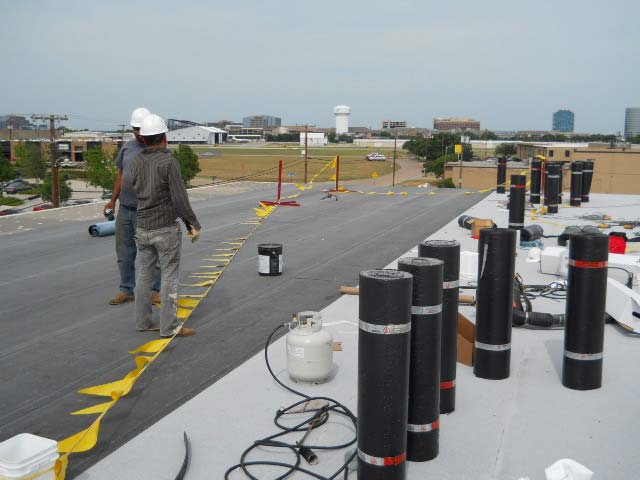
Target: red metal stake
<point>337,170</point>
<point>291,203</point>
<point>279,180</point>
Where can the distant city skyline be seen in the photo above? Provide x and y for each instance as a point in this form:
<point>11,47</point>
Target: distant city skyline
<point>492,62</point>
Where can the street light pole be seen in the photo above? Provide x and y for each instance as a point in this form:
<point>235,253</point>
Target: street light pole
<point>395,147</point>
<point>306,152</point>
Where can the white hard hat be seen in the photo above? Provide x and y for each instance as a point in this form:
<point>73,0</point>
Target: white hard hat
<point>138,115</point>
<point>153,125</point>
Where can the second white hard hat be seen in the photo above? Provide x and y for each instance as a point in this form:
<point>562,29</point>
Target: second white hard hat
<point>138,115</point>
<point>153,125</point>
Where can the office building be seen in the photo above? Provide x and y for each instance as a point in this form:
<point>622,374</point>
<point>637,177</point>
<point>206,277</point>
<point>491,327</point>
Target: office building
<point>394,124</point>
<point>456,124</point>
<point>563,121</point>
<point>266,122</point>
<point>631,123</point>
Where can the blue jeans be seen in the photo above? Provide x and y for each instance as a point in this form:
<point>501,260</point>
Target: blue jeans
<point>158,246</point>
<point>126,222</point>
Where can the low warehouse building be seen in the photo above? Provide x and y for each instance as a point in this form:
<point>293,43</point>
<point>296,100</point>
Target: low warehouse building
<point>197,135</point>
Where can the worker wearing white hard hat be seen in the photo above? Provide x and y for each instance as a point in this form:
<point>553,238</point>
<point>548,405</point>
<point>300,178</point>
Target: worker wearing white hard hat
<point>126,219</point>
<point>162,199</point>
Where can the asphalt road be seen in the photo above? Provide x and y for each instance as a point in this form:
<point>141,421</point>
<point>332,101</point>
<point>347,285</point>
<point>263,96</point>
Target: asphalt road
<point>59,334</point>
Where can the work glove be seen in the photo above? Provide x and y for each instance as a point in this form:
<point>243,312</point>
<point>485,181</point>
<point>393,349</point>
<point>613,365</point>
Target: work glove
<point>193,234</point>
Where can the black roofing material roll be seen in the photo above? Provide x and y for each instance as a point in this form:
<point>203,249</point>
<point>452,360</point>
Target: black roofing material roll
<point>531,232</point>
<point>383,373</point>
<point>575,229</point>
<point>424,371</point>
<point>516,201</point>
<point>449,252</point>
<point>536,176</point>
<point>494,303</point>
<point>560,183</point>
<point>587,177</point>
<point>585,311</point>
<point>502,175</point>
<point>576,184</point>
<point>551,190</point>
<point>466,221</point>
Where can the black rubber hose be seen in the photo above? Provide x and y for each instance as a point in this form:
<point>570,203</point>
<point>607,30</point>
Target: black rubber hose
<point>531,232</point>
<point>333,406</point>
<point>537,320</point>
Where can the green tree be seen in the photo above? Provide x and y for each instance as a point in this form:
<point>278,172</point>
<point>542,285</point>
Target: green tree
<point>6,171</point>
<point>436,167</point>
<point>487,135</point>
<point>506,150</point>
<point>45,189</point>
<point>101,168</point>
<point>31,160</point>
<point>189,165</point>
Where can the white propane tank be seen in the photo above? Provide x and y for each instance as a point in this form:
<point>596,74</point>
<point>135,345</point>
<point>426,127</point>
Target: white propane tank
<point>309,349</point>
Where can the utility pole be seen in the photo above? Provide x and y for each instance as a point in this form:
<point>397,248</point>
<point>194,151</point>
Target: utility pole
<point>395,147</point>
<point>55,168</point>
<point>306,152</point>
<point>10,127</point>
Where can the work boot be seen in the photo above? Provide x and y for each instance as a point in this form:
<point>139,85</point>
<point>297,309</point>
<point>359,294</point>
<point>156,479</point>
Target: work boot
<point>121,298</point>
<point>182,332</point>
<point>155,299</point>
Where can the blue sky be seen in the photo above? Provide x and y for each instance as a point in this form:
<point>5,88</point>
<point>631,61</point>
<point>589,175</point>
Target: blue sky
<point>510,64</point>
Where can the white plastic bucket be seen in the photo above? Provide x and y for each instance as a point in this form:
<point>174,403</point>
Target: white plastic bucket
<point>26,455</point>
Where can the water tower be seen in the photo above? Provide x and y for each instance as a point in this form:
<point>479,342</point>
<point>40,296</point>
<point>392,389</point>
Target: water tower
<point>342,113</point>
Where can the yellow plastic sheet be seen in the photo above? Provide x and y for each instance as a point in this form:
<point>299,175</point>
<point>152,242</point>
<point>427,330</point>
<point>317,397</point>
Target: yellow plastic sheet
<point>81,441</point>
<point>108,389</point>
<point>199,284</point>
<point>60,468</point>
<point>188,302</point>
<point>154,346</point>
<point>100,408</point>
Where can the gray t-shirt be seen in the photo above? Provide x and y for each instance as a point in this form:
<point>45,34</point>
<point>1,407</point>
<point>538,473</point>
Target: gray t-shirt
<point>128,152</point>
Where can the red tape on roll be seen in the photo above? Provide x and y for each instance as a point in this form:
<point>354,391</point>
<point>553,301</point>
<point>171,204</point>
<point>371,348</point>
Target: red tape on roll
<point>518,186</point>
<point>587,264</point>
<point>447,385</point>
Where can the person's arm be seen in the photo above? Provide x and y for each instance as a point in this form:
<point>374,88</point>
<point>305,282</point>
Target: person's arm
<point>179,197</point>
<point>116,192</point>
<point>111,204</point>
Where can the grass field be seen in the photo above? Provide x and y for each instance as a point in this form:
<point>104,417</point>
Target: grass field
<point>261,164</point>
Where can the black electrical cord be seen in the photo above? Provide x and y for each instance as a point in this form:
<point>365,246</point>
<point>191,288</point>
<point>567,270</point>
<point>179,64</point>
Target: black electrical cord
<point>553,290</point>
<point>319,418</point>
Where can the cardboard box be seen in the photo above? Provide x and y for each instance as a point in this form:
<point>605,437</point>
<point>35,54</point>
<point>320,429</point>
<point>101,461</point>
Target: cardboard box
<point>466,341</point>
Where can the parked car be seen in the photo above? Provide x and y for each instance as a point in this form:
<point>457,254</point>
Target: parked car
<point>71,203</point>
<point>376,157</point>
<point>16,180</point>
<point>45,206</point>
<point>17,187</point>
<point>68,164</point>
<point>8,211</point>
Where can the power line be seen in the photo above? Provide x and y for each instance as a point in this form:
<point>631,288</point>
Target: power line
<point>55,168</point>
